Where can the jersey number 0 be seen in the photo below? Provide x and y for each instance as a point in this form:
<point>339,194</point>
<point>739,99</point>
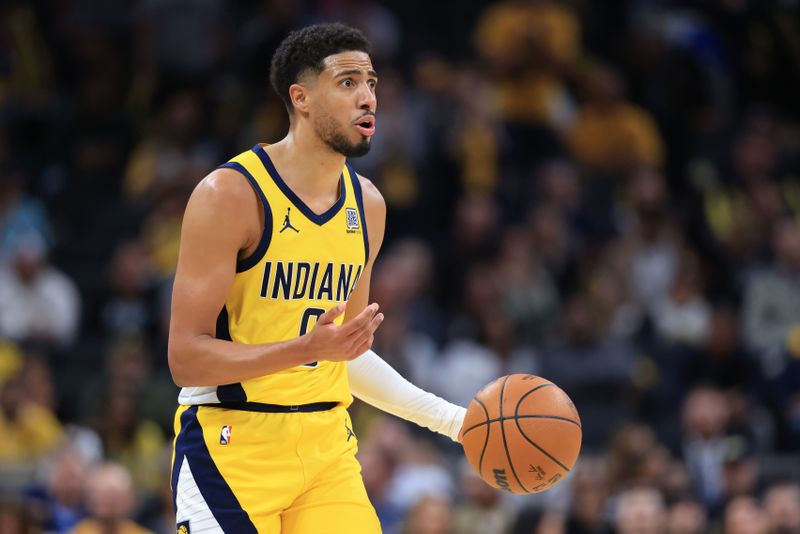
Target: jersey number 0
<point>305,324</point>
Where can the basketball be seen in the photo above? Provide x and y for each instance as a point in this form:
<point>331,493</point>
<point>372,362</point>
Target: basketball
<point>521,434</point>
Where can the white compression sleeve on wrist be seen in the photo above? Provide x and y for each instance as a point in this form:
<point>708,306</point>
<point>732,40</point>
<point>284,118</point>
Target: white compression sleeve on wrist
<point>375,382</point>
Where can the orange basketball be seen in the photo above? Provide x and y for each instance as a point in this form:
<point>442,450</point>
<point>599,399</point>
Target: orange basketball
<point>521,434</point>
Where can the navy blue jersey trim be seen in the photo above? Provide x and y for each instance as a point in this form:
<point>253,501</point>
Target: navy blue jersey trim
<point>266,237</point>
<point>231,393</point>
<point>360,201</point>
<point>228,392</point>
<point>262,407</point>
<point>224,505</point>
<point>223,328</point>
<point>176,462</point>
<point>299,204</point>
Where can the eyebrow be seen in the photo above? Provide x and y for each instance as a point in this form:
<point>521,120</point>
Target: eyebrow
<point>350,72</point>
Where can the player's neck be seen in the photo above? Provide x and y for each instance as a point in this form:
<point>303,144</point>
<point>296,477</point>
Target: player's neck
<point>307,164</point>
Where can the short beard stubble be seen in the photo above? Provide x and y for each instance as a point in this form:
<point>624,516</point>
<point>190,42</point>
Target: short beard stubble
<point>330,131</point>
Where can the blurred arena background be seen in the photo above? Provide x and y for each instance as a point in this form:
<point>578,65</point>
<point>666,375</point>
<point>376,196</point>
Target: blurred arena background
<point>603,193</point>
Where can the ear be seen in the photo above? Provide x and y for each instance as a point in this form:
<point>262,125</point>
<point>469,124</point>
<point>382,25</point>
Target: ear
<point>300,97</point>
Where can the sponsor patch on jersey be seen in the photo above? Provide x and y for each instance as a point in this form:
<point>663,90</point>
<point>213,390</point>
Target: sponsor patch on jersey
<point>352,219</point>
<point>225,435</point>
<point>183,527</point>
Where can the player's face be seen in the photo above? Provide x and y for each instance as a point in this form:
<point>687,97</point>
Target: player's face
<point>345,104</point>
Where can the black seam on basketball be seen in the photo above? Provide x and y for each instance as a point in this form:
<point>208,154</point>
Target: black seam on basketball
<point>505,446</point>
<point>522,433</point>
<point>485,443</point>
<point>529,440</point>
<point>555,417</point>
<point>537,388</point>
<point>499,419</point>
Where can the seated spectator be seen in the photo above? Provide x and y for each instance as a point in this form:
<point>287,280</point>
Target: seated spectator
<point>157,511</point>
<point>721,360</point>
<point>771,306</point>
<point>11,360</point>
<point>529,290</point>
<point>541,521</point>
<point>782,506</point>
<point>743,515</point>
<point>611,135</point>
<point>683,315</point>
<point>595,371</point>
<point>706,419</point>
<point>483,509</point>
<point>110,499</point>
<point>175,155</point>
<point>29,431</point>
<point>529,47</point>
<point>417,467</point>
<point>746,196</point>
<point>37,301</point>
<point>20,215</point>
<point>161,230</point>
<point>420,474</point>
<point>377,469</point>
<point>740,468</point>
<point>400,282</point>
<point>467,365</point>
<point>133,441</point>
<point>640,510</point>
<point>130,305</point>
<point>651,240</point>
<point>587,512</point>
<point>430,515</point>
<point>636,458</point>
<point>786,393</point>
<point>129,366</point>
<point>687,516</point>
<point>16,519</point>
<point>60,501</point>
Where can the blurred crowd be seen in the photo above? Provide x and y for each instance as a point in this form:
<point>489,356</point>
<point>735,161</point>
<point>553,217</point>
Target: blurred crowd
<point>606,194</point>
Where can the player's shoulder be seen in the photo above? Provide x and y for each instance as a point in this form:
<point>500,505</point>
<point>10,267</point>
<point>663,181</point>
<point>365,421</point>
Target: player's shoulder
<point>224,195</point>
<point>373,200</point>
<point>224,186</point>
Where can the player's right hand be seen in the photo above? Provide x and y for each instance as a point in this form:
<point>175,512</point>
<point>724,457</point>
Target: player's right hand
<point>332,342</point>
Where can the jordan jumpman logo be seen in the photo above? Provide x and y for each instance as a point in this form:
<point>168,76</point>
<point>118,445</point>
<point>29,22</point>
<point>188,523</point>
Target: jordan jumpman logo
<point>287,223</point>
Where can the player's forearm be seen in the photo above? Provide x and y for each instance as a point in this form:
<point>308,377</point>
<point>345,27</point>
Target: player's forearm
<point>375,382</point>
<point>205,361</point>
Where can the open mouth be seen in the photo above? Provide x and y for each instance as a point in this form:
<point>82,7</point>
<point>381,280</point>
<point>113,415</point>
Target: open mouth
<point>366,125</point>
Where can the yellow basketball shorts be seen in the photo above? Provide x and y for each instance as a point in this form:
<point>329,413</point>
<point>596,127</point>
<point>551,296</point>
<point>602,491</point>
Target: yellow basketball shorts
<point>243,472</point>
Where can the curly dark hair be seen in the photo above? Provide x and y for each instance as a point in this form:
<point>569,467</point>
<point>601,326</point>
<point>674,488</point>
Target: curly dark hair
<point>304,49</point>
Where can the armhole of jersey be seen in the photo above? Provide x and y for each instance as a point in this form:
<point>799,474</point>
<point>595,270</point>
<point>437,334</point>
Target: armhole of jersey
<point>228,392</point>
<point>360,201</point>
<point>266,237</point>
<point>223,328</point>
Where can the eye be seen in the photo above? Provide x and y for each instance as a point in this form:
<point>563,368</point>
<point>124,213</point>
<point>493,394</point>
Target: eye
<point>347,82</point>
<point>372,83</point>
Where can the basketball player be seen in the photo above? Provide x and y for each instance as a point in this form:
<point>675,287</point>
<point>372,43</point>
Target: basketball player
<point>271,327</point>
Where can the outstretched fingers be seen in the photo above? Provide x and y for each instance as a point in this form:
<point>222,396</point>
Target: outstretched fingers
<point>362,340</point>
<point>331,315</point>
<point>361,321</point>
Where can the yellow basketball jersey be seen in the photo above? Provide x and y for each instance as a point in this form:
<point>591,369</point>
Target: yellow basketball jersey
<point>304,265</point>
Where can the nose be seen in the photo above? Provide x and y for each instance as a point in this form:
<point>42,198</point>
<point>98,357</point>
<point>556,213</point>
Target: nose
<point>366,98</point>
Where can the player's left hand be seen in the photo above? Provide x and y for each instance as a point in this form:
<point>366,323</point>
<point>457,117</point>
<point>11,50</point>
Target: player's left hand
<point>332,342</point>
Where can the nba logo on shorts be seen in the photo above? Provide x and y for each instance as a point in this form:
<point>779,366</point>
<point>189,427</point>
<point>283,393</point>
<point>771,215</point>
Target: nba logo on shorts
<point>225,435</point>
<point>352,218</point>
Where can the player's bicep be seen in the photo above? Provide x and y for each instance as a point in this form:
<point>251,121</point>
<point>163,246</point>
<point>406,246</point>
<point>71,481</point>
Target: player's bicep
<point>212,234</point>
<point>359,298</point>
